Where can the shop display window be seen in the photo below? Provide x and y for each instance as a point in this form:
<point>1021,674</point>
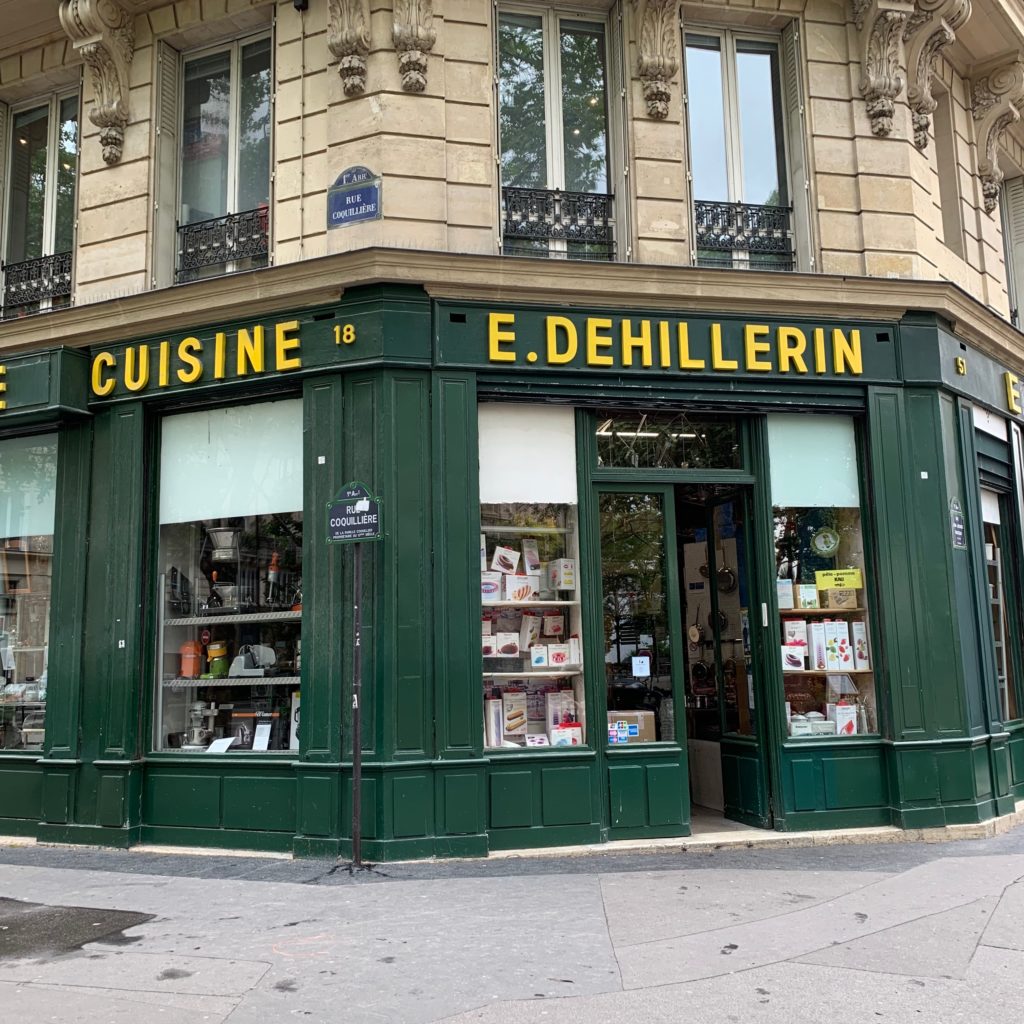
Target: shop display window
<point>28,478</point>
<point>828,667</point>
<point>994,507</point>
<point>230,579</point>
<point>667,440</point>
<point>531,628</point>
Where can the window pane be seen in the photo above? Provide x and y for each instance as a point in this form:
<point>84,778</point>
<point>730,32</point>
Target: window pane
<point>67,172</point>
<point>757,76</point>
<point>254,128</point>
<point>666,441</point>
<point>584,108</point>
<point>522,116</point>
<point>205,138</point>
<point>706,112</point>
<point>28,184</point>
<point>28,474</point>
<point>230,594</point>
<point>829,444</point>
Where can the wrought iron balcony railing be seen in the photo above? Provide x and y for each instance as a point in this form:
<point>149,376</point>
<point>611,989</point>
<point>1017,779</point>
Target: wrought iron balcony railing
<point>222,242</point>
<point>30,283</point>
<point>743,235</point>
<point>550,222</point>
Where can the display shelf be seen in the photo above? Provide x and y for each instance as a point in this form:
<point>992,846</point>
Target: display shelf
<point>533,675</point>
<point>525,531</point>
<point>821,611</point>
<point>828,672</point>
<point>182,682</point>
<point>222,620</point>
<point>529,604</point>
<point>23,704</point>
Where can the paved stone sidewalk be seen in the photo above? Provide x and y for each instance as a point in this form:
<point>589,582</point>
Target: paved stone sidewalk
<point>929,933</point>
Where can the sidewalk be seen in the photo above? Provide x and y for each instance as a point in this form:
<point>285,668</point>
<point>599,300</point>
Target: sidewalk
<point>844,933</point>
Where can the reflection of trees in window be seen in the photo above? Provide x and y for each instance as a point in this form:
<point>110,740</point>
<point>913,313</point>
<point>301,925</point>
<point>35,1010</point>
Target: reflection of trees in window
<point>583,110</point>
<point>521,97</point>
<point>666,441</point>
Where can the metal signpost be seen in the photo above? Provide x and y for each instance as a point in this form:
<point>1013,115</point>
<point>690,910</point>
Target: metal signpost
<point>352,518</point>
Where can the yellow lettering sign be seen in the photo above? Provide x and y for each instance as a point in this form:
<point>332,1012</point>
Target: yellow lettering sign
<point>561,325</point>
<point>597,341</point>
<point>1011,380</point>
<point>718,360</point>
<point>188,356</point>
<point>103,363</point>
<point>3,388</point>
<point>496,337</point>
<point>792,344</point>
<point>754,349</point>
<point>250,351</point>
<point>285,344</point>
<point>641,341</point>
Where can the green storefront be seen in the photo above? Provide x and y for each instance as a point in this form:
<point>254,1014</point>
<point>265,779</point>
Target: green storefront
<point>722,566</point>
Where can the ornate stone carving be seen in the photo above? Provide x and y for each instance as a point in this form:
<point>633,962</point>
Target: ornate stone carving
<point>929,30</point>
<point>104,35</point>
<point>881,24</point>
<point>657,30</point>
<point>348,39</point>
<point>414,37</point>
<point>997,92</point>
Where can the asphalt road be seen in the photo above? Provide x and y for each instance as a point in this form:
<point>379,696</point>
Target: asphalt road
<point>898,932</point>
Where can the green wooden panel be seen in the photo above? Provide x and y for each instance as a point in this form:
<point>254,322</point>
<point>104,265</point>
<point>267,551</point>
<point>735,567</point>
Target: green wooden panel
<point>318,799</point>
<point>181,799</point>
<point>854,781</point>
<point>919,779</point>
<point>412,805</point>
<point>458,663</point>
<point>110,803</point>
<point>22,793</point>
<point>263,803</point>
<point>741,781</point>
<point>57,796</point>
<point>566,795</point>
<point>805,787</point>
<point>511,799</point>
<point>956,781</point>
<point>667,800</point>
<point>324,645</point>
<point>461,804</point>
<point>627,795</point>
<point>370,807</point>
<point>982,772</point>
<point>1017,758</point>
<point>1000,761</point>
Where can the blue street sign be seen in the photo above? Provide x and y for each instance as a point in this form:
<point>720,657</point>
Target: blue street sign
<point>355,196</point>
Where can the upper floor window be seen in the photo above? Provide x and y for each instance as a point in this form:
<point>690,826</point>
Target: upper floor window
<point>1011,211</point>
<point>42,170</point>
<point>553,123</point>
<point>225,160</point>
<point>740,185</point>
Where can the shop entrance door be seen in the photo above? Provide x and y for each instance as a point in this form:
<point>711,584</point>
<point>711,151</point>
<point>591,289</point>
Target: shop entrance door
<point>724,732</point>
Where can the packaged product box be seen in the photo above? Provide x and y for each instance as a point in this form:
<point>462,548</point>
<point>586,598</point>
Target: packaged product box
<point>784,589</point>
<point>794,632</point>
<point>559,708</point>
<point>529,631</point>
<point>505,560</point>
<point>490,587</point>
<point>841,598</point>
<point>838,653</point>
<point>793,657</point>
<point>507,645</point>
<point>631,727</point>
<point>823,728</point>
<point>554,624</point>
<point>558,655</point>
<point>567,735</point>
<point>493,722</point>
<point>531,556</point>
<point>483,552</point>
<point>490,645</point>
<point>293,724</point>
<point>538,656</point>
<point>539,739</point>
<point>844,717</point>
<point>562,574</point>
<point>799,726</point>
<point>817,647</point>
<point>575,651</point>
<point>486,624</point>
<point>515,713</point>
<point>522,588</point>
<point>807,595</point>
<point>861,655</point>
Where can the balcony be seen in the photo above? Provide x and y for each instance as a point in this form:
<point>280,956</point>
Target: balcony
<point>557,224</point>
<point>222,245</point>
<point>743,236</point>
<point>34,285</point>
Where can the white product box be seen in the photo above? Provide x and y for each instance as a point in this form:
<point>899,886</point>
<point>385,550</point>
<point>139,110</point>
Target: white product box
<point>505,559</point>
<point>529,631</point>
<point>293,725</point>
<point>562,574</point>
<point>490,587</point>
<point>844,717</point>
<point>558,656</point>
<point>522,588</point>
<point>546,593</point>
<point>515,713</point>
<point>493,715</point>
<point>486,625</point>
<point>793,657</point>
<point>817,645</point>
<point>483,552</point>
<point>794,632</point>
<point>784,589</point>
<point>554,624</point>
<point>490,645</point>
<point>838,654</point>
<point>807,595</point>
<point>539,656</point>
<point>861,654</point>
<point>559,708</point>
<point>538,740</point>
<point>507,645</point>
<point>567,736</point>
<point>575,651</point>
<point>531,556</point>
<point>799,726</point>
<point>823,728</point>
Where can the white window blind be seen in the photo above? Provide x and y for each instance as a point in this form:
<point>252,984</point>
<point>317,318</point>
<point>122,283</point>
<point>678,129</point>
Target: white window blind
<point>527,453</point>
<point>28,483</point>
<point>813,461</point>
<point>241,461</point>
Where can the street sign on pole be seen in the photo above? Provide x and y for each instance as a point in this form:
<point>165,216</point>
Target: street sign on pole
<point>352,518</point>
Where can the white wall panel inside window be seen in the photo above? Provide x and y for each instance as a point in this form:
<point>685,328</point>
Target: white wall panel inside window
<point>28,484</point>
<point>813,461</point>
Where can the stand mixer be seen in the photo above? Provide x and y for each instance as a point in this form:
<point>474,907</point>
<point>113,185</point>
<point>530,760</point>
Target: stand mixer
<point>201,717</point>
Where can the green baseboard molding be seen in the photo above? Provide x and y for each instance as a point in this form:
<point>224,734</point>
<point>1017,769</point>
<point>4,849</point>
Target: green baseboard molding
<point>217,838</point>
<point>541,836</point>
<point>461,846</point>
<point>88,835</point>
<point>850,817</point>
<point>648,832</point>
<point>316,848</point>
<point>938,816</point>
<point>18,827</point>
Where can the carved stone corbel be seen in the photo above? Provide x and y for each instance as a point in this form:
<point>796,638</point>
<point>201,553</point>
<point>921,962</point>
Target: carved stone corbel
<point>657,29</point>
<point>414,37</point>
<point>929,30</point>
<point>104,34</point>
<point>881,24</point>
<point>348,39</point>
<point>997,92</point>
